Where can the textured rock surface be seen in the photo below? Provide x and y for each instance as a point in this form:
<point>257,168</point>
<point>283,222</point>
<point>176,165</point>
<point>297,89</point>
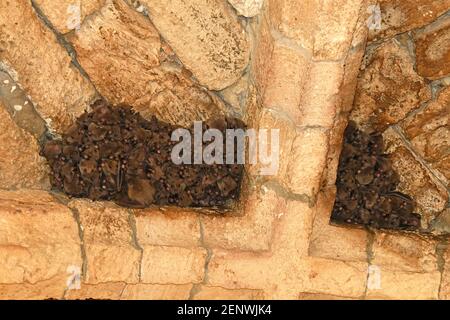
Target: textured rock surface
<point>325,28</point>
<point>214,46</point>
<point>404,253</point>
<point>403,15</point>
<point>151,82</point>
<point>42,66</point>
<point>433,49</point>
<point>20,163</point>
<point>429,132</point>
<point>247,8</point>
<point>415,179</point>
<point>108,242</point>
<point>67,15</point>
<point>38,237</point>
<point>388,88</point>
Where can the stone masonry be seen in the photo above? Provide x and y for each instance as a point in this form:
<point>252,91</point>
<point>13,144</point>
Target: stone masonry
<point>293,66</point>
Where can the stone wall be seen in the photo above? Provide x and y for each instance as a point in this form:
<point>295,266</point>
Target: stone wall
<point>284,64</point>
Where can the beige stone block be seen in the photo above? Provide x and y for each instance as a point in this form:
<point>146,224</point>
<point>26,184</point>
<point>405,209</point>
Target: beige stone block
<point>400,285</point>
<point>214,46</point>
<point>109,263</point>
<point>307,161</point>
<point>409,253</point>
<point>336,24</point>
<point>218,293</point>
<point>292,233</point>
<point>338,278</point>
<point>143,291</point>
<point>46,289</point>
<point>168,227</point>
<point>174,265</point>
<point>20,163</point>
<point>101,291</point>
<point>321,95</point>
<point>285,18</point>
<point>317,25</point>
<point>332,242</point>
<point>276,123</point>
<point>42,66</point>
<point>237,270</point>
<point>108,241</point>
<point>253,231</point>
<point>152,82</point>
<point>281,73</point>
<point>39,238</point>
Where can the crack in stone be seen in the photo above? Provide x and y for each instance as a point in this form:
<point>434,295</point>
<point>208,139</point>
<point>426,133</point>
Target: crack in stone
<point>135,241</point>
<point>419,158</point>
<point>441,248</point>
<point>369,252</point>
<point>60,38</point>
<point>288,195</point>
<point>196,287</point>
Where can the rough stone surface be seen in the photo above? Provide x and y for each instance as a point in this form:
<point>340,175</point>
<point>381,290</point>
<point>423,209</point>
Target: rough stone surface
<point>433,49</point>
<point>415,180</point>
<point>218,293</point>
<point>405,286</point>
<point>403,15</point>
<point>321,95</point>
<point>237,270</point>
<point>307,161</point>
<point>46,289</point>
<point>170,227</point>
<point>101,291</point>
<point>247,8</point>
<point>273,119</point>
<point>153,83</point>
<point>20,163</point>
<point>404,253</point>
<point>334,150</point>
<point>317,26</point>
<point>67,15</point>
<point>252,231</point>
<point>39,238</point>
<point>143,291</point>
<point>41,65</point>
<point>214,46</point>
<point>328,241</point>
<point>445,283</point>
<point>339,278</point>
<point>319,296</point>
<point>280,74</point>
<point>429,132</point>
<point>174,265</point>
<point>388,88</point>
<point>108,242</point>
